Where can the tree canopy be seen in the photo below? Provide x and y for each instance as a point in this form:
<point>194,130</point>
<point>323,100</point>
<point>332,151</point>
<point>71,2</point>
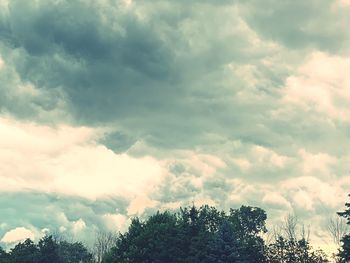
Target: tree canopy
<point>190,235</point>
<point>207,235</point>
<point>47,250</point>
<point>344,253</point>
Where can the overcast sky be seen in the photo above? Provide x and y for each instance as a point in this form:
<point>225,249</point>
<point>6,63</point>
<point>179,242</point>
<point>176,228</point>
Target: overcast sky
<point>113,109</point>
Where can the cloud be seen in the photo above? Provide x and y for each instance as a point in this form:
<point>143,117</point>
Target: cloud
<point>139,70</point>
<point>269,156</point>
<point>111,109</point>
<point>309,189</point>
<point>79,226</point>
<point>117,222</point>
<point>58,160</point>
<point>277,199</point>
<point>321,85</point>
<point>345,3</point>
<point>17,234</point>
<point>301,24</point>
<point>316,162</point>
<point>64,215</point>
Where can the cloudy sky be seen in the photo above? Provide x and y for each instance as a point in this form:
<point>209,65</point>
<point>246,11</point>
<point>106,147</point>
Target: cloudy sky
<point>113,109</point>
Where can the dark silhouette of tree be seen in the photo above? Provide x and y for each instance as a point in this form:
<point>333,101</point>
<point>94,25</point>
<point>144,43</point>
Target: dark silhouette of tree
<point>225,247</point>
<point>4,256</point>
<point>344,253</point>
<point>74,252</point>
<point>193,235</point>
<point>25,252</point>
<point>249,224</point>
<point>48,250</point>
<point>293,251</point>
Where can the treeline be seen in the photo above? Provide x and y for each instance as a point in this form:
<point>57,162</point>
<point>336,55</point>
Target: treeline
<point>193,235</point>
<point>209,236</point>
<point>47,250</point>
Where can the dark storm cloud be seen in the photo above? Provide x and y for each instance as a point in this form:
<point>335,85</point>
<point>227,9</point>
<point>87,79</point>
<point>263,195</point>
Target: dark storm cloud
<point>105,68</point>
<point>156,71</point>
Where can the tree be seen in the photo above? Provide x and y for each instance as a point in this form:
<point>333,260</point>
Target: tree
<point>293,251</point>
<point>225,247</point>
<point>74,252</point>
<point>193,235</point>
<point>4,256</point>
<point>249,223</point>
<point>337,228</point>
<point>344,253</point>
<point>155,240</point>
<point>103,243</point>
<point>25,252</point>
<point>48,250</point>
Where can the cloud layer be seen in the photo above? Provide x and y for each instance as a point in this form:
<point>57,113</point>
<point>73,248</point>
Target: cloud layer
<point>111,109</point>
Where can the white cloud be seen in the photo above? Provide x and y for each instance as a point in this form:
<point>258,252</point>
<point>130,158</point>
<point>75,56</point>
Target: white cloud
<point>343,3</point>
<point>318,162</point>
<point>67,160</point>
<point>303,200</point>
<point>306,190</point>
<point>274,198</point>
<point>321,84</point>
<point>17,234</point>
<point>138,205</point>
<point>78,226</point>
<point>4,4</point>
<point>204,164</point>
<point>242,163</point>
<point>2,63</point>
<point>62,229</point>
<point>116,222</point>
<point>200,201</point>
<point>269,157</point>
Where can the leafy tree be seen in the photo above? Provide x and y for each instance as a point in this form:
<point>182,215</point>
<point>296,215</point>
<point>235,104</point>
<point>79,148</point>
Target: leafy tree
<point>156,240</point>
<point>74,252</point>
<point>225,247</point>
<point>48,250</point>
<point>4,256</point>
<point>193,235</point>
<point>293,251</point>
<point>25,252</point>
<point>344,253</point>
<point>198,227</point>
<point>249,224</point>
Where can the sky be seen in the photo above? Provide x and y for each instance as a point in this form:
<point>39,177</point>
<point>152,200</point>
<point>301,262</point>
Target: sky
<point>116,109</point>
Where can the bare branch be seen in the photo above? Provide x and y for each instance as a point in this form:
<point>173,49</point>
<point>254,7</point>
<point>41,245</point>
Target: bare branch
<point>337,228</point>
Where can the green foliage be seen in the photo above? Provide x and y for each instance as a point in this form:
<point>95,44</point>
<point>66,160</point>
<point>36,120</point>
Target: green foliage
<point>25,252</point>
<point>74,252</point>
<point>46,251</point>
<point>4,256</point>
<point>294,251</point>
<point>193,235</point>
<point>249,223</point>
<point>225,246</point>
<point>344,253</point>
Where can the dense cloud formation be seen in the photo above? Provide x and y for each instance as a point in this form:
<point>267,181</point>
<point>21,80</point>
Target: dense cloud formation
<point>140,105</point>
